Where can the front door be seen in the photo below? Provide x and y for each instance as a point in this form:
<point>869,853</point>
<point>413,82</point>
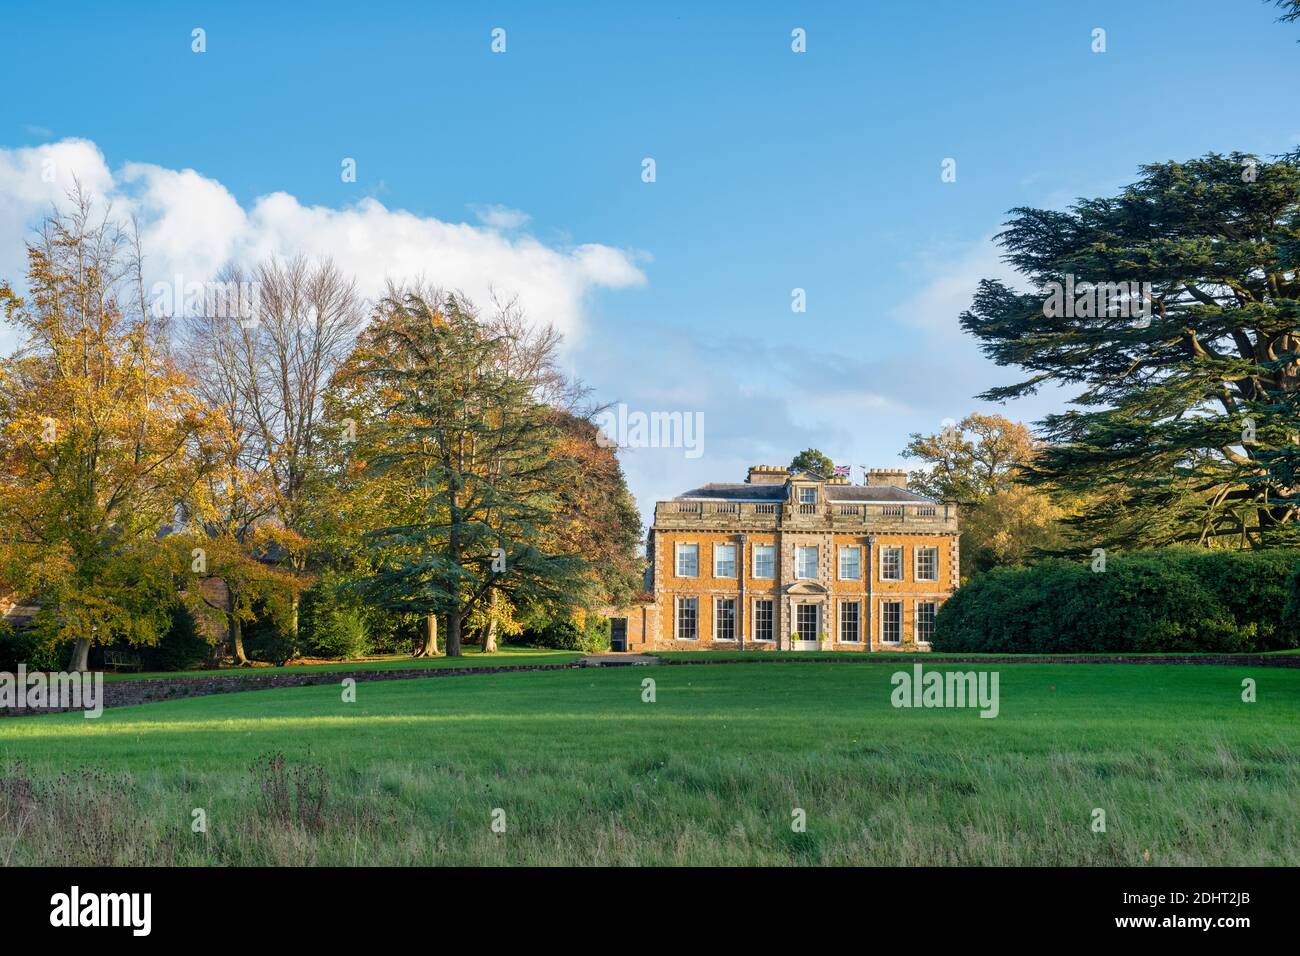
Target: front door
<point>805,627</point>
<point>618,633</point>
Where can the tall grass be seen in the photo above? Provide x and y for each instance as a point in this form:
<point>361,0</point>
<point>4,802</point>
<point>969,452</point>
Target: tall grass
<point>710,773</point>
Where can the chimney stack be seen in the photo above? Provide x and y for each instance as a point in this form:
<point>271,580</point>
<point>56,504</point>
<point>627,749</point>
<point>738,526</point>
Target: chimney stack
<point>890,477</point>
<point>767,475</point>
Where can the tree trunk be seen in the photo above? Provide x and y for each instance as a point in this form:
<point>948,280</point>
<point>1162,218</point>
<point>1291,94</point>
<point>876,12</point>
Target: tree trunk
<point>80,655</point>
<point>430,646</point>
<point>453,634</point>
<point>236,630</point>
<point>490,634</point>
<point>293,618</point>
<point>237,641</point>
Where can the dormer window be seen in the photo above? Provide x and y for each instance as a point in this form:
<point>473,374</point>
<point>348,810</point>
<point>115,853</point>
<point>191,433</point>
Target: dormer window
<point>808,496</point>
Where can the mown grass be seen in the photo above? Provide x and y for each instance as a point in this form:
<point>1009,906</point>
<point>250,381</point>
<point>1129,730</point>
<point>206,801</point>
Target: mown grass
<point>472,657</point>
<point>710,773</point>
<point>838,655</point>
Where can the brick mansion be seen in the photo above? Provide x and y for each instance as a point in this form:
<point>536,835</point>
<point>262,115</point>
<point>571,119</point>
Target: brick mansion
<point>791,560</point>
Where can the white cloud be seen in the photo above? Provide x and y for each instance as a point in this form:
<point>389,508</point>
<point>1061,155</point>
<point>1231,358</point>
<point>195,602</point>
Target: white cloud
<point>948,277</point>
<point>501,217</point>
<point>191,225</point>
<point>32,178</point>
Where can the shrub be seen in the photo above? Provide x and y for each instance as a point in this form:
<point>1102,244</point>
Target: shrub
<point>1253,587</point>
<point>26,646</point>
<point>566,635</point>
<point>393,632</point>
<point>329,627</point>
<point>181,648</point>
<point>268,638</point>
<point>1170,600</point>
<point>1291,612</point>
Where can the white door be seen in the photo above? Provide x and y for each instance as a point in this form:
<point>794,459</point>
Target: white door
<point>806,626</point>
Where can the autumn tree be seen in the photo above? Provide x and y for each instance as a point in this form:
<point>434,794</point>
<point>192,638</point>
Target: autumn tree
<point>597,513</point>
<point>232,546</point>
<point>460,442</point>
<point>1173,308</point>
<point>234,574</point>
<point>976,464</point>
<point>101,438</point>
<point>265,367</point>
<point>969,461</point>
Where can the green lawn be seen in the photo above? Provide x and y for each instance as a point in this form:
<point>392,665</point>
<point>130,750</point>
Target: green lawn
<point>911,655</point>
<point>472,657</point>
<point>709,773</point>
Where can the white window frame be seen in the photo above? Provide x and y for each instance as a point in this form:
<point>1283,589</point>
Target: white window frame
<point>857,631</point>
<point>771,620</point>
<point>677,559</point>
<point>798,548</point>
<point>808,495</point>
<point>902,556</point>
<point>917,561</point>
<point>771,554</point>
<point>734,562</point>
<point>735,613</point>
<point>839,562</point>
<point>916,626</point>
<point>883,630</point>
<point>677,618</point>
<point>817,621</point>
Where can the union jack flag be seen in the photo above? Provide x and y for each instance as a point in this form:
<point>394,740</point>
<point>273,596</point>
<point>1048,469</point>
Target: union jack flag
<point>842,471</point>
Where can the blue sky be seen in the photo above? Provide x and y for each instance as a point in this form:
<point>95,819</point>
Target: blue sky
<point>774,171</point>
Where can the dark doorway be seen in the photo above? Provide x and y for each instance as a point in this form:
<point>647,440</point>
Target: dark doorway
<point>618,633</point>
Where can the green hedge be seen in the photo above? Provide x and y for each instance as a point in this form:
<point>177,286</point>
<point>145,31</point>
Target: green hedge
<point>330,624</point>
<point>565,635</point>
<point>1170,600</point>
<point>268,637</point>
<point>183,646</point>
<point>25,646</point>
<point>1291,616</point>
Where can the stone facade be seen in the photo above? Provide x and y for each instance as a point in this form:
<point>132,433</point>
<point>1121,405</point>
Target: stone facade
<point>879,561</point>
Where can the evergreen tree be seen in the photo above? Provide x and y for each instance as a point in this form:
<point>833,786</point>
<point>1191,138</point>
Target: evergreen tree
<point>810,459</point>
<point>1188,385</point>
<point>472,453</point>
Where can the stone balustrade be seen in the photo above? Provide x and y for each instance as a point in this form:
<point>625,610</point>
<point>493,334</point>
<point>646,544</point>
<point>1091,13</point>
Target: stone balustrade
<point>834,515</point>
